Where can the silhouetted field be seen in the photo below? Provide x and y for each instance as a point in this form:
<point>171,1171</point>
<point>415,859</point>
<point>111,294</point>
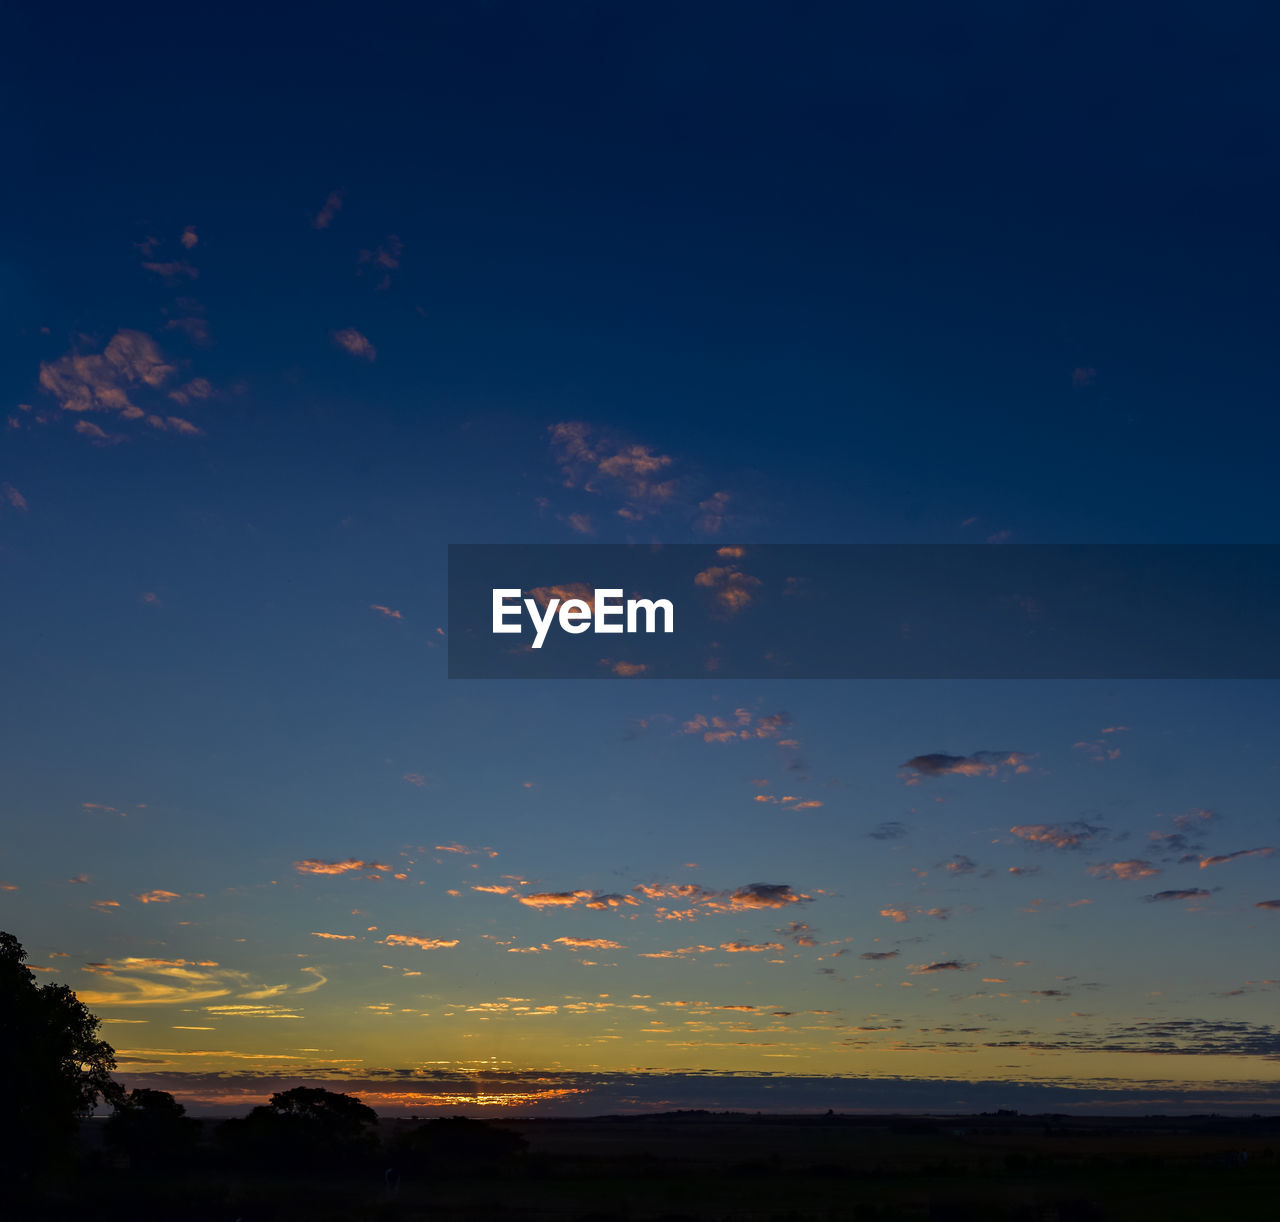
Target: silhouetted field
<point>688,1166</point>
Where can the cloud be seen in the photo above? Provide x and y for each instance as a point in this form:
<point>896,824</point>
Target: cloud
<point>1099,750</point>
<point>332,206</point>
<point>386,258</point>
<point>313,865</point>
<point>158,897</point>
<point>407,939</point>
<point>899,916</point>
<point>766,895</point>
<point>612,900</point>
<point>337,937</point>
<point>1265,851</point>
<point>743,725</point>
<point>740,948</point>
<point>712,516</point>
<point>189,237</point>
<point>385,611</point>
<point>960,864</point>
<point>14,497</point>
<point>1125,871</point>
<point>152,981</point>
<point>879,954</point>
<point>350,340</point>
<point>627,471</point>
<point>625,670</point>
<point>683,952</point>
<point>554,899</point>
<point>1186,893</point>
<point>731,588</point>
<point>197,388</point>
<point>946,965</point>
<point>466,850</point>
<point>889,830</point>
<point>800,933</point>
<point>980,763</point>
<point>173,271</point>
<point>194,328</point>
<point>444,1090</point>
<point>1271,904</point>
<point>1057,835</point>
<point>590,943</point>
<point>543,595</point>
<point>131,362</point>
<point>1165,1037</point>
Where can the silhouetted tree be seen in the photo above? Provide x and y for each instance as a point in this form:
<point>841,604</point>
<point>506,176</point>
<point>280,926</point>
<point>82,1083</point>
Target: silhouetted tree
<point>53,1068</point>
<point>307,1127</point>
<point>458,1144</point>
<point>152,1128</point>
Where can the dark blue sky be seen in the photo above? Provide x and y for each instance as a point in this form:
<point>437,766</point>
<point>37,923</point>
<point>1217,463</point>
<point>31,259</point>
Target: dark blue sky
<point>293,299</point>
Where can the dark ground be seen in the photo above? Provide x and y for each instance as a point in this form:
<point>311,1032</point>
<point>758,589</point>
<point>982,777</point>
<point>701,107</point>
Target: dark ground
<point>714,1167</point>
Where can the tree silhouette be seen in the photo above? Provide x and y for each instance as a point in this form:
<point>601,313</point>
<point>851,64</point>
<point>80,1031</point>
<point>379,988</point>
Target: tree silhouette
<point>53,1068</point>
<point>307,1127</point>
<point>152,1128</point>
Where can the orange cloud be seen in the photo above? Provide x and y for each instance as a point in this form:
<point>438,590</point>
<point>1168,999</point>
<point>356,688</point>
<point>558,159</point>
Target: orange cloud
<point>455,847</point>
<point>597,464</point>
<point>732,589</point>
<point>590,943</point>
<point>350,340</point>
<point>406,939</point>
<point>554,899</point>
<point>313,865</point>
<point>1135,867</point>
<point>104,382</point>
<point>1265,851</point>
<point>1057,835</point>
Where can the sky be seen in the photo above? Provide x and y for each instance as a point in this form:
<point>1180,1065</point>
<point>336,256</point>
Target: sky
<point>289,307</point>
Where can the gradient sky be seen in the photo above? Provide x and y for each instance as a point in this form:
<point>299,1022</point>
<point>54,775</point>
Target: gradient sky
<point>289,308</point>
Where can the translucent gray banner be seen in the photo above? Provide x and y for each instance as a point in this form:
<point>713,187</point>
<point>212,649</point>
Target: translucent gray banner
<point>826,611</point>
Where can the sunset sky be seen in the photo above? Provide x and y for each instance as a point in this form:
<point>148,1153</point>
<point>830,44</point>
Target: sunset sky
<point>288,309</point>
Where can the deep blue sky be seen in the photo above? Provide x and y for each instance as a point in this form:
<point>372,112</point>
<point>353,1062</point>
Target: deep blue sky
<point>845,274</point>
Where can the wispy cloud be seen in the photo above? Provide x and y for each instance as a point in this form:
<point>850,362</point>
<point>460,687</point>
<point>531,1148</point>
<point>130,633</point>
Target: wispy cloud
<point>743,725</point>
<point>1265,851</point>
<point>1125,871</point>
<point>418,941</point>
<point>598,464</point>
<point>731,589</point>
<point>1057,835</point>
<point>313,865</point>
<point>130,365</point>
<point>332,206</point>
<point>352,341</point>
